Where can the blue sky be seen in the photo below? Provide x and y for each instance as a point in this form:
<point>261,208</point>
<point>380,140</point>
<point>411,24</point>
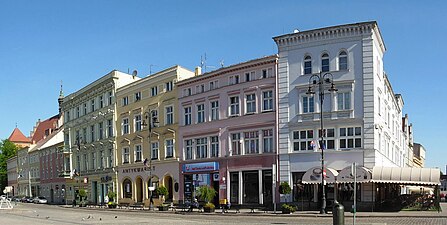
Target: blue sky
<point>44,42</point>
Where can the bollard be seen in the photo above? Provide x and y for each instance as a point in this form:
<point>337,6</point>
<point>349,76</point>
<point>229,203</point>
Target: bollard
<point>338,214</point>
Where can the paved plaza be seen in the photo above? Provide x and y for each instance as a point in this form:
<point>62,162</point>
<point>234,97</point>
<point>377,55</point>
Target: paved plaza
<point>50,214</point>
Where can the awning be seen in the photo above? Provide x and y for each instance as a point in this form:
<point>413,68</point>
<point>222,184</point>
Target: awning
<point>363,175</point>
<point>313,175</point>
<point>406,175</point>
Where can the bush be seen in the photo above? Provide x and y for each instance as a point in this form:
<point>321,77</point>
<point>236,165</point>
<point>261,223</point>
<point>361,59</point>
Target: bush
<point>111,196</point>
<point>209,205</point>
<point>207,193</point>
<point>288,208</point>
<point>162,191</point>
<point>284,188</point>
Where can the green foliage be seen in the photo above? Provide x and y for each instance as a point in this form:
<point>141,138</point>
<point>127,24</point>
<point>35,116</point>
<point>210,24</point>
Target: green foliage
<point>287,207</point>
<point>111,196</point>
<point>83,193</point>
<point>209,205</point>
<point>284,188</point>
<point>7,150</point>
<point>162,191</point>
<point>206,192</point>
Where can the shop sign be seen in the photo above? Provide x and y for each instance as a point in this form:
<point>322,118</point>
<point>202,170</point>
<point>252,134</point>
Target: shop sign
<point>222,186</point>
<point>136,170</point>
<point>200,167</point>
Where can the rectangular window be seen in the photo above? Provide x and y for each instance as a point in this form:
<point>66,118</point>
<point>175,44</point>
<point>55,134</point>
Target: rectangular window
<point>350,137</point>
<point>308,67</point>
<point>329,138</point>
<point>84,135</point>
<point>85,162</point>
<point>93,160</point>
<point>85,108</point>
<point>251,103</point>
<point>125,126</point>
<point>138,154</point>
<point>236,147</point>
<point>138,123</point>
<point>215,146</point>
<point>125,101</point>
<point>126,155</point>
<point>169,115</point>
<point>308,104</point>
<point>78,112</point>
<point>78,163</point>
<point>110,98</point>
<point>102,160</point>
<point>234,106</point>
<point>169,86</point>
<point>264,73</point>
<point>92,133</point>
<point>110,158</point>
<point>214,110</point>
<point>267,140</point>
<point>213,85</point>
<point>154,150</point>
<point>187,115</point>
<point>169,148</point>
<point>92,103</point>
<point>110,128</point>
<point>251,142</point>
<point>267,101</point>
<point>154,91</point>
<point>344,101</point>
<point>101,101</point>
<point>101,130</point>
<point>200,113</point>
<point>187,92</point>
<point>303,140</point>
<point>137,96</point>
<point>234,79</point>
<point>188,149</point>
<point>201,148</point>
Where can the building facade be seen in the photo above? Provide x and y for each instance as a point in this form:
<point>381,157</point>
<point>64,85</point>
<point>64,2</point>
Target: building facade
<point>11,166</point>
<point>147,124</point>
<point>227,132</point>
<point>89,117</point>
<point>362,120</point>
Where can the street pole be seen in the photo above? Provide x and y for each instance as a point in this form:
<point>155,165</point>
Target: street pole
<point>321,80</point>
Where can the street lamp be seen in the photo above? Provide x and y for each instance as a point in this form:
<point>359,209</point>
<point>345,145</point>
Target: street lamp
<point>151,117</point>
<point>321,80</point>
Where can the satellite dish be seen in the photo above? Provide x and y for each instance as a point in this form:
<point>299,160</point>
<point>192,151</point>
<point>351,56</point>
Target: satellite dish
<point>134,73</point>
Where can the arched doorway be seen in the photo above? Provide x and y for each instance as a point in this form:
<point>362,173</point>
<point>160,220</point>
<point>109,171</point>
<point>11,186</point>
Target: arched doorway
<point>127,188</point>
<point>170,185</point>
<point>139,184</point>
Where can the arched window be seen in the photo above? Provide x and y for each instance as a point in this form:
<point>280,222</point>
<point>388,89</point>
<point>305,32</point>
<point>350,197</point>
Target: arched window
<point>325,62</point>
<point>307,65</point>
<point>342,61</point>
<point>153,182</point>
<point>127,188</point>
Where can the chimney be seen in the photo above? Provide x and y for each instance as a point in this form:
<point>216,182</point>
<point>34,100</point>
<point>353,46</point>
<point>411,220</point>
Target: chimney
<point>198,71</point>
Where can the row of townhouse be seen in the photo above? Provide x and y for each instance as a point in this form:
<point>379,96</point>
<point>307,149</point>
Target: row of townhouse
<point>244,128</point>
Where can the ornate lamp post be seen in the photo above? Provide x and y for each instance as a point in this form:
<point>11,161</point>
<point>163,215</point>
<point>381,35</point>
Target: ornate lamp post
<point>321,80</point>
<point>151,117</point>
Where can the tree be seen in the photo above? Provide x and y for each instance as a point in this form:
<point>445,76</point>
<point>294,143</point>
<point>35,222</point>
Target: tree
<point>7,150</point>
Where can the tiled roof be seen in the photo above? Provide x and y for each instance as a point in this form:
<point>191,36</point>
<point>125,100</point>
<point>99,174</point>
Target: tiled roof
<point>18,137</point>
<point>39,133</point>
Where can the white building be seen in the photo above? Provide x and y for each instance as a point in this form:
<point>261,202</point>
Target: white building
<point>362,120</point>
<point>90,137</point>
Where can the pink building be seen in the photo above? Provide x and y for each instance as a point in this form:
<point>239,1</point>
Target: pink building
<point>227,132</point>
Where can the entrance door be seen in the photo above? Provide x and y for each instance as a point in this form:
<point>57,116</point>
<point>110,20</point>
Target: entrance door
<point>139,189</point>
<point>267,187</point>
<point>170,189</point>
<point>51,195</point>
<point>251,187</point>
<point>95,192</point>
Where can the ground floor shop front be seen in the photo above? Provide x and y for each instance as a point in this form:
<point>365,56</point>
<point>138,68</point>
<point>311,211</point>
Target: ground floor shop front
<point>138,182</point>
<point>242,180</point>
<point>96,185</point>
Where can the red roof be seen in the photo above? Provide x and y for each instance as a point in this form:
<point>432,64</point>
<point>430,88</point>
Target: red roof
<point>45,128</point>
<point>18,137</point>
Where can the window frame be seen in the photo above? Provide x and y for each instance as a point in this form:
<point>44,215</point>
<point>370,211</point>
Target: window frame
<point>250,103</point>
<point>268,99</point>
<point>343,65</point>
<point>307,65</point>
<point>325,62</point>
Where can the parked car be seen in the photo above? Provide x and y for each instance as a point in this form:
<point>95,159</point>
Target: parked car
<point>40,200</point>
<point>27,199</point>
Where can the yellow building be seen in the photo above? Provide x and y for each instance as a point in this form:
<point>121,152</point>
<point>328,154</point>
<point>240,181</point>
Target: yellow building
<point>147,122</point>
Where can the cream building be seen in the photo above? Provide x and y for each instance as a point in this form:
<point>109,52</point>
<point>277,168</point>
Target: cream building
<point>89,137</point>
<point>139,104</point>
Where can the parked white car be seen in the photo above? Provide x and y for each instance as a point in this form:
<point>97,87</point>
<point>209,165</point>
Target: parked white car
<point>40,200</point>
